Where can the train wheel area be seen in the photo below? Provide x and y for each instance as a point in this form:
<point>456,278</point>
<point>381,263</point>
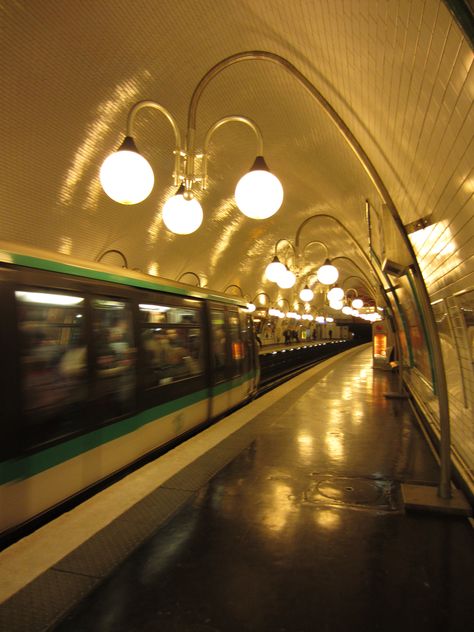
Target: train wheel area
<point>293,500</point>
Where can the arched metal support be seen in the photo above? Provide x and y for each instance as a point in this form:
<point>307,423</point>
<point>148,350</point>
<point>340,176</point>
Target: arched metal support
<point>198,279</point>
<point>444,490</point>
<point>233,285</point>
<point>220,123</point>
<point>117,252</point>
<point>177,134</point>
<point>262,294</point>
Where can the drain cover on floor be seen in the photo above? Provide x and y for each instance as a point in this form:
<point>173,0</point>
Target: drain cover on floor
<point>354,492</point>
<point>351,491</point>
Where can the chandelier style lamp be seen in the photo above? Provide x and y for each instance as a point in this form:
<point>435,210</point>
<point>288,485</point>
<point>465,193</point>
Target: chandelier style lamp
<point>306,294</point>
<point>275,269</point>
<point>127,177</point>
<point>356,302</point>
<point>335,294</point>
<point>327,273</point>
<point>286,280</point>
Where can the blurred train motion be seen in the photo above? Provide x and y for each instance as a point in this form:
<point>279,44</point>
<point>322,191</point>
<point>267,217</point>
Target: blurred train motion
<point>100,368</point>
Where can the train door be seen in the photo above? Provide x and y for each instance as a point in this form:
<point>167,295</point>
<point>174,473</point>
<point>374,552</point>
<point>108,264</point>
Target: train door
<point>220,399</point>
<point>251,362</point>
<point>238,359</point>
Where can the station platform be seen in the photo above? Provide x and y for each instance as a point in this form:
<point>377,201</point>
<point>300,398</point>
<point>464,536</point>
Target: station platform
<point>286,516</point>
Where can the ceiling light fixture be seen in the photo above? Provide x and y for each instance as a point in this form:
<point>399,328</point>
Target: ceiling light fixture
<point>127,177</point>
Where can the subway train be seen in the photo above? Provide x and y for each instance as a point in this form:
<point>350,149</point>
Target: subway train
<point>100,367</point>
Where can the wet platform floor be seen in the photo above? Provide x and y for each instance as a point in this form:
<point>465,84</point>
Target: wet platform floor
<point>303,530</point>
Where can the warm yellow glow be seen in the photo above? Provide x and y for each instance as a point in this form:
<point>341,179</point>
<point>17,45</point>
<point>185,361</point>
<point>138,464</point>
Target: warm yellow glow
<point>153,268</point>
<point>306,294</point>
<point>328,519</point>
<point>126,177</point>
<point>286,280</point>
<point>181,216</point>
<point>327,274</point>
<point>276,517</point>
<point>334,444</point>
<point>274,270</point>
<point>48,299</point>
<point>336,294</point>
<point>259,194</point>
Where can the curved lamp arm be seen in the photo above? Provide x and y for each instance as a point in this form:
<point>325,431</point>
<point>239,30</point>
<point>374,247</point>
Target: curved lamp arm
<point>262,294</point>
<point>279,241</point>
<point>177,134</point>
<point>370,288</point>
<point>117,252</point>
<point>310,243</point>
<point>213,128</point>
<point>279,300</point>
<point>198,279</point>
<point>237,287</point>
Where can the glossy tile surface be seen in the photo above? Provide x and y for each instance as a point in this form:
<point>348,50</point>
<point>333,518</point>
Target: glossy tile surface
<point>304,530</point>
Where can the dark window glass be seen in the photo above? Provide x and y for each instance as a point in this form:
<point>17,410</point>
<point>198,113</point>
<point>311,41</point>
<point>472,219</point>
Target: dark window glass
<point>115,367</point>
<point>218,344</point>
<point>172,353</point>
<point>53,363</point>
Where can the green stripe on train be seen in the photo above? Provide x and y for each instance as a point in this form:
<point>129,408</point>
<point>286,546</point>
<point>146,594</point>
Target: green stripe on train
<point>90,273</point>
<point>24,467</point>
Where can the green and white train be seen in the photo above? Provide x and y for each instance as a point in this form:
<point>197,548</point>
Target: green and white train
<point>100,367</point>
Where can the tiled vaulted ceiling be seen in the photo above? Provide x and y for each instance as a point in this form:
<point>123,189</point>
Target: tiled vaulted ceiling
<point>399,72</point>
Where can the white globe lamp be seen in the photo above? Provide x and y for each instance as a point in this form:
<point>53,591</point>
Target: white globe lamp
<point>327,273</point>
<point>275,269</point>
<point>357,303</point>
<point>286,280</point>
<point>336,294</point>
<point>306,294</point>
<point>126,176</point>
<point>180,215</point>
<point>259,193</point>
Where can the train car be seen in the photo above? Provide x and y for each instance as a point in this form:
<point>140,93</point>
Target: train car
<point>102,366</point>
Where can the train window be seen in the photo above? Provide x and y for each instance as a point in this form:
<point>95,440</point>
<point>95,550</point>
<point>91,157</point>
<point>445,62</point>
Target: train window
<point>166,314</point>
<point>218,344</point>
<point>115,354</point>
<point>176,315</point>
<point>172,353</point>
<point>237,345</point>
<point>53,363</point>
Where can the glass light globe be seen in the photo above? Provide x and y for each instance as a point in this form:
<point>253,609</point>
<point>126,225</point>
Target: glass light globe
<point>336,304</point>
<point>259,193</point>
<point>306,294</point>
<point>182,216</point>
<point>274,270</point>
<point>357,303</point>
<point>126,176</point>
<point>347,310</point>
<point>286,280</point>
<point>327,273</point>
<point>336,294</point>
<point>251,307</point>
